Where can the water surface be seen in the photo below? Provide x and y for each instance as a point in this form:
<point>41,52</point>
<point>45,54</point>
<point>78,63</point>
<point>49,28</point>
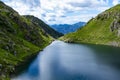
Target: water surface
<point>65,61</point>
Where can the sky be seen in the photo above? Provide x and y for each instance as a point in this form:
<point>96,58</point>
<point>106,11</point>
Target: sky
<point>61,11</point>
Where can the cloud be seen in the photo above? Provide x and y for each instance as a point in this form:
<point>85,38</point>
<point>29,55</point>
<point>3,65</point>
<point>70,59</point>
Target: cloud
<point>25,7</point>
<point>67,10</point>
<point>60,11</point>
<point>115,2</point>
<point>89,3</point>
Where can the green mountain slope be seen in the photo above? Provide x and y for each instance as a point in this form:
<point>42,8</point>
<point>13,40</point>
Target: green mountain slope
<point>44,26</point>
<point>103,29</point>
<point>20,38</point>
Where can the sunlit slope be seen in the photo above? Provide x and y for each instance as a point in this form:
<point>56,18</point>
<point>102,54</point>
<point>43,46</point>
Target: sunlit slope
<point>103,29</point>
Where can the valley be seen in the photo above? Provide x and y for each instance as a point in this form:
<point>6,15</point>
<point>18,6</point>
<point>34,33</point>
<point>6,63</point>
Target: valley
<point>30,49</point>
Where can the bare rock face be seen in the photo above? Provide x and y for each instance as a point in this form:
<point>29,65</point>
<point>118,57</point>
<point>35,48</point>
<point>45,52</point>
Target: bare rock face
<point>114,43</point>
<point>119,32</point>
<point>115,25</point>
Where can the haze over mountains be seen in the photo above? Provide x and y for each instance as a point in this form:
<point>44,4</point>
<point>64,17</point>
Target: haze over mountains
<point>67,28</point>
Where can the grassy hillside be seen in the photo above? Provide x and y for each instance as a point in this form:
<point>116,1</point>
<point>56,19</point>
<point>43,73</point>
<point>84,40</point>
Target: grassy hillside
<point>44,26</point>
<point>20,39</point>
<point>103,29</point>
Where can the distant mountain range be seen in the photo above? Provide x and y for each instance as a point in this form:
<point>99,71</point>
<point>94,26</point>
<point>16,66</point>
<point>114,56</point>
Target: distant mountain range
<point>67,28</point>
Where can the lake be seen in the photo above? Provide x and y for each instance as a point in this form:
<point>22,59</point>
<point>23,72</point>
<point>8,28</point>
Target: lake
<point>65,61</point>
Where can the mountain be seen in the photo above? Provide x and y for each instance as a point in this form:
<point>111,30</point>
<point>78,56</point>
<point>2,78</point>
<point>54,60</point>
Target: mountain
<point>67,28</point>
<point>103,29</point>
<point>20,39</point>
<point>44,26</point>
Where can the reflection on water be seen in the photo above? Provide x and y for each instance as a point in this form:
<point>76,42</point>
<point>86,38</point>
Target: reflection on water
<point>63,61</point>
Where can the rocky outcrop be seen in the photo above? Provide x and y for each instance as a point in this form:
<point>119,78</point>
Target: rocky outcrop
<point>114,43</point>
<point>115,25</point>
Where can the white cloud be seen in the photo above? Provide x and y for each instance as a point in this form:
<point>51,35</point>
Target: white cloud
<point>115,2</point>
<point>68,8</point>
<point>60,11</point>
<point>25,7</point>
<point>74,19</point>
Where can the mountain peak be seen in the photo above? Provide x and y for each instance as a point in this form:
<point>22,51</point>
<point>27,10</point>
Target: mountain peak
<point>67,28</point>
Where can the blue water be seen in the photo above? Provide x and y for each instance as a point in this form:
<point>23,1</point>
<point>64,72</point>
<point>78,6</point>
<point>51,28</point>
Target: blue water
<point>65,61</point>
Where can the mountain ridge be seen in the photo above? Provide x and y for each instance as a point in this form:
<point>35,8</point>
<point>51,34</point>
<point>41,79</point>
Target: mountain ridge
<point>44,26</point>
<point>67,28</point>
<point>103,29</point>
<point>20,39</point>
